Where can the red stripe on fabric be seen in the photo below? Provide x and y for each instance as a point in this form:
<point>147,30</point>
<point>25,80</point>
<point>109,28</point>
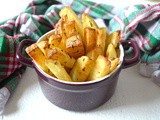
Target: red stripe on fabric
<point>4,54</point>
<point>148,42</point>
<point>84,9</point>
<point>25,18</point>
<point>54,13</point>
<point>43,21</point>
<point>144,12</point>
<point>18,24</point>
<point>131,28</point>
<point>122,36</point>
<point>141,39</point>
<point>51,20</point>
<point>11,23</point>
<point>7,61</point>
<point>14,58</point>
<point>36,10</point>
<point>6,27</point>
<point>139,36</point>
<point>154,27</point>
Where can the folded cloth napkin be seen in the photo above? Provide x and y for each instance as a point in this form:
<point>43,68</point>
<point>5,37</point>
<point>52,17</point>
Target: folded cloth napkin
<point>140,23</point>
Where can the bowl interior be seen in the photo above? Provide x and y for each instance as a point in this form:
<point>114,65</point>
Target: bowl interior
<point>44,37</point>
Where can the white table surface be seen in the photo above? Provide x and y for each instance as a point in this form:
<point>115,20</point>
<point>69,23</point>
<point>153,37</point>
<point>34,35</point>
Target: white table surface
<point>136,97</point>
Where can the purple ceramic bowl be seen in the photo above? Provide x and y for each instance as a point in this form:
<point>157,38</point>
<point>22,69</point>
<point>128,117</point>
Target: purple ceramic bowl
<point>79,96</point>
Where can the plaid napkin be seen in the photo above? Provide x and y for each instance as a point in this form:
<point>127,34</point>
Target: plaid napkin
<point>140,23</point>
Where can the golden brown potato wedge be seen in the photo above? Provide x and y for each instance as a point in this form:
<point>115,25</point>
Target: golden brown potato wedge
<point>114,64</point>
<point>81,69</point>
<point>59,27</point>
<point>87,21</point>
<point>62,56</point>
<point>57,69</point>
<point>54,40</point>
<point>70,29</point>
<point>74,46</point>
<point>37,55</point>
<point>101,68</point>
<point>43,45</point>
<point>101,38</point>
<point>113,38</point>
<point>93,54</point>
<point>89,39</point>
<point>62,44</point>
<point>118,52</point>
<point>71,15</point>
<point>111,52</point>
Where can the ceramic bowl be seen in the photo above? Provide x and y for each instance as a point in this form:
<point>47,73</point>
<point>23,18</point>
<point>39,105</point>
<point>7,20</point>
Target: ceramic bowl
<point>79,96</point>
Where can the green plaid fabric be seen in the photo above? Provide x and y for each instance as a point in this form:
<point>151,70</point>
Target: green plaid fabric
<point>140,23</point>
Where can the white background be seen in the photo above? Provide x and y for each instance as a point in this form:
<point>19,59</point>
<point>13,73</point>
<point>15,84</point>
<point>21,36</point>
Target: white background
<point>136,97</point>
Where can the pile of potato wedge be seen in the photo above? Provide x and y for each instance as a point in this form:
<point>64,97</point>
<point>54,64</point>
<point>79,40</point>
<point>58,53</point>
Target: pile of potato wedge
<point>78,50</point>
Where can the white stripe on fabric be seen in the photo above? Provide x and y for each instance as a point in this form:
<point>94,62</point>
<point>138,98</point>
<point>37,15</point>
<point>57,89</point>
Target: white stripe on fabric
<point>145,14</point>
<point>120,22</point>
<point>29,27</point>
<point>66,2</point>
<point>153,27</point>
<point>55,13</point>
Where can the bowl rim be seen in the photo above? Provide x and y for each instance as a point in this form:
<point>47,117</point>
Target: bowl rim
<point>44,37</point>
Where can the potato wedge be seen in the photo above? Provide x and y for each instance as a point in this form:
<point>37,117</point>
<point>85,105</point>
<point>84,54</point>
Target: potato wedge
<point>89,39</point>
<point>81,69</point>
<point>74,46</point>
<point>37,55</point>
<point>111,52</point>
<point>93,54</point>
<point>70,29</point>
<point>71,15</point>
<point>118,52</point>
<point>101,38</point>
<point>43,45</point>
<point>57,69</point>
<point>62,56</point>
<point>54,40</point>
<point>62,44</point>
<point>113,38</point>
<point>59,27</point>
<point>101,68</point>
<point>114,64</point>
<point>87,21</point>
